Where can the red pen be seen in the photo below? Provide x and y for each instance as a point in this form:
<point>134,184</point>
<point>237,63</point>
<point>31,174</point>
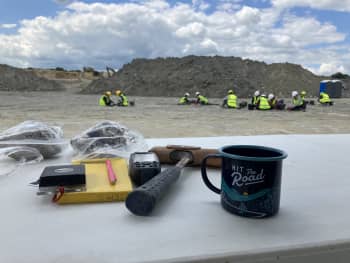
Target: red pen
<point>111,175</point>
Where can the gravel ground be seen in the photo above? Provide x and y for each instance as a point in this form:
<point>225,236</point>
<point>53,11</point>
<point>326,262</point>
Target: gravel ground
<point>162,118</point>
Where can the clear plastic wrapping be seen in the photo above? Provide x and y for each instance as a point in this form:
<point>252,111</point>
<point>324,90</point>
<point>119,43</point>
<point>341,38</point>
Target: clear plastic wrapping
<point>107,139</point>
<point>47,140</point>
<point>22,154</point>
<point>29,142</point>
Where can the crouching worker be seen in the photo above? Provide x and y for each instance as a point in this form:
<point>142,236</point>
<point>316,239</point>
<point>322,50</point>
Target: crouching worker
<point>254,102</point>
<point>122,99</point>
<point>276,104</point>
<point>185,99</point>
<point>106,100</point>
<point>230,101</point>
<point>297,102</point>
<point>263,103</point>
<point>324,99</point>
<point>201,99</point>
<point>303,97</point>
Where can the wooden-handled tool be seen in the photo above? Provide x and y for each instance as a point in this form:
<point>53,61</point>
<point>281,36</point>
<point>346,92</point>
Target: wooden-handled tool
<point>171,154</point>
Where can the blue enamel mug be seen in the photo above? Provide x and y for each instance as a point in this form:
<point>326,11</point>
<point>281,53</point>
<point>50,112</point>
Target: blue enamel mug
<point>250,179</point>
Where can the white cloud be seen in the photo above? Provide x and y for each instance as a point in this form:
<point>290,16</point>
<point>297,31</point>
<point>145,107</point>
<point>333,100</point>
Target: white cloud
<point>309,31</point>
<point>102,34</point>
<point>328,69</point>
<point>228,7</point>
<point>248,15</point>
<point>339,5</point>
<point>200,4</point>
<point>191,30</point>
<point>8,26</point>
<point>209,46</point>
<point>63,2</point>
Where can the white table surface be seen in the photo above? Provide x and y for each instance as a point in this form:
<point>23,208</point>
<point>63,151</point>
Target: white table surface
<point>190,224</point>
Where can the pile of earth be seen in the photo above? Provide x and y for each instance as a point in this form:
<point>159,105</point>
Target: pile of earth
<point>346,85</point>
<point>212,76</point>
<point>15,79</point>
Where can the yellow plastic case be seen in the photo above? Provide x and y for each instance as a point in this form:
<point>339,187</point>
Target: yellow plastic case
<point>98,188</point>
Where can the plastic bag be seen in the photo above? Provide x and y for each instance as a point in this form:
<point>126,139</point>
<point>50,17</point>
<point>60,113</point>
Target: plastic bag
<point>107,139</point>
<point>12,157</point>
<point>48,140</point>
<point>29,142</point>
<point>22,154</point>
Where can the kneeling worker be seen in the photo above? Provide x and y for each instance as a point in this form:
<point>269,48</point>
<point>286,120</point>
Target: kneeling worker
<point>122,99</point>
<point>254,102</point>
<point>255,98</point>
<point>105,99</point>
<point>263,103</point>
<point>274,103</point>
<point>201,99</point>
<point>324,99</point>
<point>185,99</point>
<point>297,102</point>
<point>272,100</point>
<point>230,101</point>
<point>303,95</point>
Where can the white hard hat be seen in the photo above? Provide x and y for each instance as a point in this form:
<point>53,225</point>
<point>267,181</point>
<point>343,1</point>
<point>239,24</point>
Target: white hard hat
<point>271,96</point>
<point>294,93</point>
<point>263,95</point>
<point>197,93</point>
<point>257,93</point>
<point>187,94</point>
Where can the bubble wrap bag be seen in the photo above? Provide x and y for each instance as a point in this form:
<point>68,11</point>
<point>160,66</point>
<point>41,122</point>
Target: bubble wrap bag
<point>107,139</point>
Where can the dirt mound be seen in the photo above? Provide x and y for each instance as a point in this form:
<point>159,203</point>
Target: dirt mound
<point>15,79</point>
<point>62,74</point>
<point>212,76</point>
<point>346,91</point>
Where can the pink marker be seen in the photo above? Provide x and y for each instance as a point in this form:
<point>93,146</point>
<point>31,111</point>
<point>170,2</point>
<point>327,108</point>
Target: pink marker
<point>111,175</point>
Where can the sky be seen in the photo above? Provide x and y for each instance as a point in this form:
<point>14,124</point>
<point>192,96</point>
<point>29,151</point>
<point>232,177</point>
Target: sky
<point>73,34</point>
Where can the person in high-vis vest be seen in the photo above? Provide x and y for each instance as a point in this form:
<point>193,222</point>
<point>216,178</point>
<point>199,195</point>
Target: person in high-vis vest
<point>274,103</point>
<point>105,99</point>
<point>297,102</point>
<point>122,99</point>
<point>185,99</point>
<point>324,99</point>
<point>201,99</point>
<point>230,101</point>
<point>272,100</point>
<point>263,103</point>
<point>254,101</point>
<point>255,98</point>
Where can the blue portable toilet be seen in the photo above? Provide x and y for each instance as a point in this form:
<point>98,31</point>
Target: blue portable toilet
<point>323,85</point>
<point>333,88</point>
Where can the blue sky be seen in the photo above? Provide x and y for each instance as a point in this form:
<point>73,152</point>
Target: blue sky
<point>48,33</point>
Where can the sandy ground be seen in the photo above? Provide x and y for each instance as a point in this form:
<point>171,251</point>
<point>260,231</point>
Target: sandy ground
<point>161,117</point>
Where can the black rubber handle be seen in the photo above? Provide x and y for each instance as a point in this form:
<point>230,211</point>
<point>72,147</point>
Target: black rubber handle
<point>142,200</point>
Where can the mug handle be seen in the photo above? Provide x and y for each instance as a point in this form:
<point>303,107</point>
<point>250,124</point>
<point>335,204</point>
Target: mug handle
<point>204,173</point>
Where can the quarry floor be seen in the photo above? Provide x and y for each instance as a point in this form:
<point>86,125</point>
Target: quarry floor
<point>162,118</point>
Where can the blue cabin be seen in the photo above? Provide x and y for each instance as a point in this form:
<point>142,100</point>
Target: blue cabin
<point>333,88</point>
